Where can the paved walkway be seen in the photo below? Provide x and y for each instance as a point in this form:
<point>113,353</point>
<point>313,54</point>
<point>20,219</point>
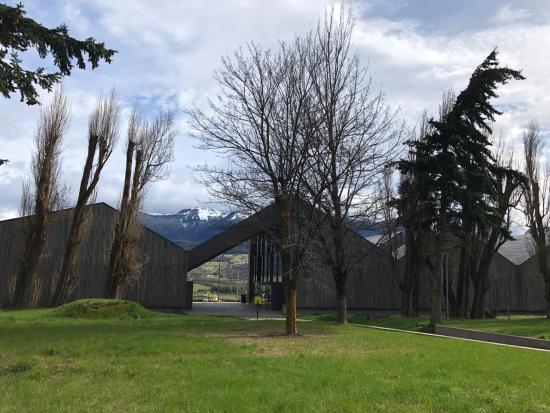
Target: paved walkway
<point>233,310</point>
<point>445,336</point>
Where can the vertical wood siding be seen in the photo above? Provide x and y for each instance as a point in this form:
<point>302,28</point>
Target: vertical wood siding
<point>162,283</point>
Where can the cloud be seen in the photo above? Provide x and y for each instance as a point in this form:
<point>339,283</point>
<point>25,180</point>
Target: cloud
<point>508,14</point>
<point>168,53</point>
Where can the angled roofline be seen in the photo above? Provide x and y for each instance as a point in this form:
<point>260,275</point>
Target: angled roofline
<point>232,236</point>
<point>94,205</point>
<point>243,231</point>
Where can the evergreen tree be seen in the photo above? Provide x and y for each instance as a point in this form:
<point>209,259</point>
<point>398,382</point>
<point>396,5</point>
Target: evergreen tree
<point>19,33</point>
<point>454,167</point>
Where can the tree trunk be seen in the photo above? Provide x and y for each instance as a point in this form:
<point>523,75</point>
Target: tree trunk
<point>406,302</point>
<point>463,295</point>
<point>406,290</point>
<point>416,294</point>
<point>407,295</point>
<point>480,279</point>
<point>342,316</point>
<point>291,329</point>
<point>34,246</point>
<point>464,275</point>
<point>478,303</point>
<point>436,291</point>
<point>290,277</point>
<point>546,275</point>
<point>340,278</point>
<point>113,271</point>
<point>410,275</point>
<point>66,282</point>
<point>67,278</point>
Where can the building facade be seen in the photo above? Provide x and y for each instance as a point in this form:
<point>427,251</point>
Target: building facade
<point>161,284</point>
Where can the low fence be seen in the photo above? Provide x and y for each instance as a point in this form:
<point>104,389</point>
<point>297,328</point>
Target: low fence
<point>492,337</point>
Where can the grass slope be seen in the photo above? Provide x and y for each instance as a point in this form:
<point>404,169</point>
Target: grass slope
<point>167,362</point>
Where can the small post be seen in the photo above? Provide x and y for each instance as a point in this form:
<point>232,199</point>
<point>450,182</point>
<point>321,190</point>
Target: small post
<point>258,302</point>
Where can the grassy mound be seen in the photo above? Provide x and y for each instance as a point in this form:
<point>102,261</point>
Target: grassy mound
<point>100,308</point>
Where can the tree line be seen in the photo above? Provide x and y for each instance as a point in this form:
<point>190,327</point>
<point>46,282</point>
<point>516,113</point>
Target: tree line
<point>305,128</point>
<point>302,126</point>
<point>149,147</point>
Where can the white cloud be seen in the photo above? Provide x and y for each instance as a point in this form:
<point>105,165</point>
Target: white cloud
<point>168,53</point>
<point>508,14</point>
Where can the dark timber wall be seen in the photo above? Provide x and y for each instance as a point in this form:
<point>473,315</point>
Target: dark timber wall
<point>162,283</point>
<point>371,284</point>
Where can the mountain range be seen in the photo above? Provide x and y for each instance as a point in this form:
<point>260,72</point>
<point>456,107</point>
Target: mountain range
<point>192,226</point>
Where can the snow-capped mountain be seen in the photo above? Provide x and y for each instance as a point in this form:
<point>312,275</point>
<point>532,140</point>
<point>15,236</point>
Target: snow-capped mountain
<point>191,226</point>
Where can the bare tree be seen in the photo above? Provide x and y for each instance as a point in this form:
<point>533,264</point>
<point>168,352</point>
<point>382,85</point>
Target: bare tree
<point>150,147</point>
<point>46,194</point>
<point>392,236</point>
<point>358,134</point>
<point>481,245</point>
<point>26,204</point>
<point>103,129</point>
<point>263,122</point>
<point>536,202</point>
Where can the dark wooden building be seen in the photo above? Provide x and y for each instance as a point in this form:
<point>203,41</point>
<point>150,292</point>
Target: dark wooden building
<point>373,283</point>
<point>162,283</point>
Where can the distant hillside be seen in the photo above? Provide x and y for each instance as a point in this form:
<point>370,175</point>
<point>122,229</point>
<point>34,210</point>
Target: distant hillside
<point>190,227</point>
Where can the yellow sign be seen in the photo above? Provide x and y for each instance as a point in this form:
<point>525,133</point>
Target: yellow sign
<point>258,299</point>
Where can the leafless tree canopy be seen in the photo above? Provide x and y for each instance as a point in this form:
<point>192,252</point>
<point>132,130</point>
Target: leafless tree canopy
<point>257,123</point>
<point>149,149</point>
<point>300,122</point>
<point>263,122</point>
<point>536,201</point>
<point>103,128</point>
<point>357,134</point>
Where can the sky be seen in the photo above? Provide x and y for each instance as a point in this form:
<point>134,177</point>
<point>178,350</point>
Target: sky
<point>168,52</point>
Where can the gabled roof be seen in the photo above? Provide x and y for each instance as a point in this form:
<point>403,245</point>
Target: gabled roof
<point>242,231</point>
<point>232,236</point>
<point>518,250</point>
<point>95,206</point>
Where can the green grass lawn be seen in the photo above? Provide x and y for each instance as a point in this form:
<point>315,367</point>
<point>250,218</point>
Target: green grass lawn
<point>73,360</point>
<point>519,325</point>
<point>527,326</point>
